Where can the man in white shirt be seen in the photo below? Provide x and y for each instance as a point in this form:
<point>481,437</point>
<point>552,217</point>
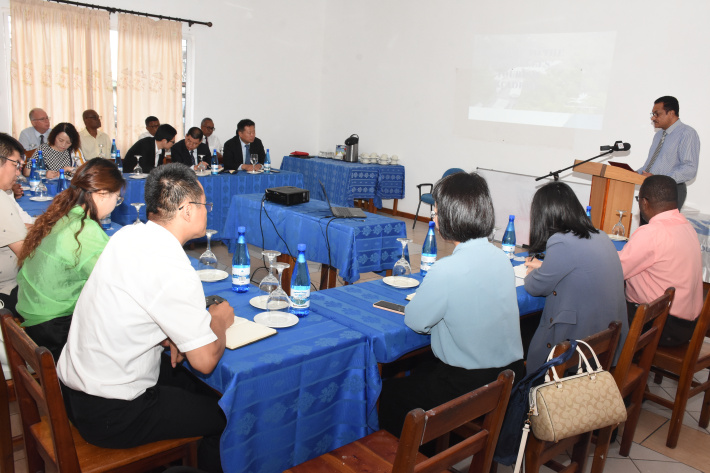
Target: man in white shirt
<point>119,389</point>
<point>209,138</point>
<point>37,134</point>
<point>94,142</point>
<point>151,126</point>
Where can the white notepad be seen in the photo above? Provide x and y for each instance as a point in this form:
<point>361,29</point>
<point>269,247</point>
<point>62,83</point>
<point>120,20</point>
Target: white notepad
<point>243,332</point>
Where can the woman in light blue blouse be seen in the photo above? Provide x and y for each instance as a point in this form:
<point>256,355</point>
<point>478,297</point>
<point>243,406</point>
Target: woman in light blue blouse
<point>468,304</point>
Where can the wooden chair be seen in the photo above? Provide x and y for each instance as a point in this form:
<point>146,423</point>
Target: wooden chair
<point>681,363</point>
<point>631,371</point>
<point>7,460</point>
<point>383,452</point>
<point>538,452</point>
<point>51,443</point>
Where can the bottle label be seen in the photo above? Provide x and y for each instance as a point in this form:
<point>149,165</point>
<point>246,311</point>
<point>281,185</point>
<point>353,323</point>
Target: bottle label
<point>33,184</point>
<point>240,275</point>
<point>301,297</point>
<point>508,249</point>
<point>267,167</point>
<point>427,261</point>
<point>215,168</point>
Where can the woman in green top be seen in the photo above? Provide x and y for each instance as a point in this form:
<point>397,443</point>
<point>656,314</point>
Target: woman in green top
<point>61,249</point>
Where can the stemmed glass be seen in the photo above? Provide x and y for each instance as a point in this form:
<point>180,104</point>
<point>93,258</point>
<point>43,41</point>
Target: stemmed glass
<point>208,260</point>
<point>41,188</point>
<point>402,266</point>
<point>254,158</point>
<point>269,283</point>
<point>138,206</point>
<point>202,160</point>
<point>278,299</point>
<point>138,169</point>
<point>619,229</point>
<point>101,151</point>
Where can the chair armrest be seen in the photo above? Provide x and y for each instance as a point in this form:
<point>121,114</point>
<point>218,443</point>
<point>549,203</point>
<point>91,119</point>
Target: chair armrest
<point>419,186</point>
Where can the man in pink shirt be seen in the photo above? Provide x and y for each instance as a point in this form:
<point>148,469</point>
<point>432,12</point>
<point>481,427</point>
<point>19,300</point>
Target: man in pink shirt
<point>665,253</point>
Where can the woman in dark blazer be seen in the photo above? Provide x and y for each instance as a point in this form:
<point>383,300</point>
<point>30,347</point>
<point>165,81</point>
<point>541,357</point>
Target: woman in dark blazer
<point>580,275</point>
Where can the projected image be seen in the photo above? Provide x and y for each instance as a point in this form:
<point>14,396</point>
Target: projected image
<point>557,80</point>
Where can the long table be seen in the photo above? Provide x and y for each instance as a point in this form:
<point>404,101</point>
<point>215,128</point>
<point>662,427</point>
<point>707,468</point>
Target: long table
<point>352,246</point>
<point>219,190</point>
<point>345,181</point>
<point>309,389</point>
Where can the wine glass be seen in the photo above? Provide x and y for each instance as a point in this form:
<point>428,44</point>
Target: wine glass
<point>254,158</point>
<point>101,151</point>
<point>138,169</point>
<point>269,283</point>
<point>41,188</point>
<point>208,260</point>
<point>199,163</point>
<point>278,299</point>
<point>402,266</point>
<point>619,229</point>
<point>138,206</point>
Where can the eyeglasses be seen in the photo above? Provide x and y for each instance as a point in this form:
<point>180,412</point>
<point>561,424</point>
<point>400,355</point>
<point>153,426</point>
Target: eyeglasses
<point>119,200</point>
<point>638,197</point>
<point>18,164</point>
<point>208,205</point>
<point>210,128</point>
<point>655,114</point>
<point>40,119</point>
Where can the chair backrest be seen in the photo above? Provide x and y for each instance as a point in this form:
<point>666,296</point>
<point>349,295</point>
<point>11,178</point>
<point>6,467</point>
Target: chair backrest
<point>452,171</point>
<point>642,341</point>
<point>40,400</point>
<point>7,460</point>
<point>603,343</point>
<point>702,327</point>
<point>420,427</point>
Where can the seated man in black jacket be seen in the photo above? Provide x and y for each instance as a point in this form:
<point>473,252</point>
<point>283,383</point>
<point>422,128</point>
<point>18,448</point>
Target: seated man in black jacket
<point>192,151</point>
<point>244,144</point>
<point>151,150</point>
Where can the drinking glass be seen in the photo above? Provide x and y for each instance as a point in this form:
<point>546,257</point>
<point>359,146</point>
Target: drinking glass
<point>278,299</point>
<point>202,160</point>
<point>41,188</point>
<point>138,169</point>
<point>402,266</point>
<point>269,283</point>
<point>254,158</point>
<point>619,229</point>
<point>138,206</point>
<point>208,260</point>
<point>101,151</point>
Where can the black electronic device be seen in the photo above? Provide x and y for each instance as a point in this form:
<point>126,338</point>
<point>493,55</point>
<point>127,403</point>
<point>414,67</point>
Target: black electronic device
<point>391,306</point>
<point>342,212</point>
<point>209,300</point>
<point>287,195</point>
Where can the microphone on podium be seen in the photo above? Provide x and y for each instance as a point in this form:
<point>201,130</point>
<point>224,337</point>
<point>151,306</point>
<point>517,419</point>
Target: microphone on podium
<point>617,146</point>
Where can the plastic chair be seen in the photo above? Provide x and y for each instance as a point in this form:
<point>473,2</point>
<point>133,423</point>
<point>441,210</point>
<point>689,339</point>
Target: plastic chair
<point>51,442</point>
<point>382,451</point>
<point>427,197</point>
<point>681,363</point>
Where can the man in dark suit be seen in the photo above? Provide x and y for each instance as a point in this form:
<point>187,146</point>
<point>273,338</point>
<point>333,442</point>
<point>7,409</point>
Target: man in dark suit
<point>150,149</point>
<point>189,150</point>
<point>244,144</point>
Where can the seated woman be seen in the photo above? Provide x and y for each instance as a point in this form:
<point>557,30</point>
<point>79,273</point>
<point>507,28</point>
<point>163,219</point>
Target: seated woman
<point>61,249</point>
<point>467,302</point>
<point>60,152</point>
<point>580,275</point>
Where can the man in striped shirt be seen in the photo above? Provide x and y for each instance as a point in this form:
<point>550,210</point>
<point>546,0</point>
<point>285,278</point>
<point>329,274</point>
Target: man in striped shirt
<point>675,149</point>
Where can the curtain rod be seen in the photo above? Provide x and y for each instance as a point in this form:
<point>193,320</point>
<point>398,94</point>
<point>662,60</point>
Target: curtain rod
<point>120,10</point>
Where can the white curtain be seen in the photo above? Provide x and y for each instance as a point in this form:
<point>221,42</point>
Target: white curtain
<point>149,75</point>
<point>61,62</point>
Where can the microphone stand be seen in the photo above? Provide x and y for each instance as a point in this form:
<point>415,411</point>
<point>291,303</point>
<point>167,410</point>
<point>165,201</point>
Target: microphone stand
<point>556,174</point>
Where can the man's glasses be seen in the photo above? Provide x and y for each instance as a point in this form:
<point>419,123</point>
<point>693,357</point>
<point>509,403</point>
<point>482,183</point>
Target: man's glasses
<point>40,119</point>
<point>18,164</point>
<point>208,205</point>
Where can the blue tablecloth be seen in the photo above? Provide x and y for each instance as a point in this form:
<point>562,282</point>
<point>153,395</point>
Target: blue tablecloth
<point>218,190</point>
<point>356,246</point>
<point>35,209</point>
<point>345,181</point>
<point>309,389</point>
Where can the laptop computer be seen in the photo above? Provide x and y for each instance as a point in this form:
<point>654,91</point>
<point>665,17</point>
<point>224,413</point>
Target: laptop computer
<point>342,212</point>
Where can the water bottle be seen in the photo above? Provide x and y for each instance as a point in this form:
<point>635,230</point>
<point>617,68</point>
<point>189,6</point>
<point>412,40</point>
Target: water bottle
<point>113,150</point>
<point>106,223</point>
<point>41,166</point>
<point>62,184</point>
<point>34,176</point>
<point>508,242</point>
<point>215,169</point>
<point>119,162</point>
<point>428,250</point>
<point>267,163</point>
<point>301,285</point>
<point>241,265</point>
<point>589,211</point>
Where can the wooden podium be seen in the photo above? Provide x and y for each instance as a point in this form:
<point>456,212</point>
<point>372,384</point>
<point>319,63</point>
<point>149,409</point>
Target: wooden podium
<point>612,190</point>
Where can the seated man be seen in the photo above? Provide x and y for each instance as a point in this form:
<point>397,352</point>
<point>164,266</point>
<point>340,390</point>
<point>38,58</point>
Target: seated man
<point>665,253</point>
<point>151,126</point>
<point>119,390</point>
<point>37,134</point>
<point>91,137</point>
<point>238,149</point>
<point>189,150</point>
<point>210,139</point>
<point>151,150</point>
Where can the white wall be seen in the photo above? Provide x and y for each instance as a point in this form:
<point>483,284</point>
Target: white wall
<point>312,72</point>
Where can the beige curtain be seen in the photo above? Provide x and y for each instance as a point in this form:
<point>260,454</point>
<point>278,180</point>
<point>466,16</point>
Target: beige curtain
<point>61,62</point>
<point>149,75</point>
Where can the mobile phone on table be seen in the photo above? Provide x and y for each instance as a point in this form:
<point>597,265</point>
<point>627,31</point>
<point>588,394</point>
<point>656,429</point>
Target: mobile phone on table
<point>209,300</point>
<point>391,306</point>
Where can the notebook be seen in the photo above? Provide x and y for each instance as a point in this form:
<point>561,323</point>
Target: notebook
<point>243,332</point>
<point>342,212</point>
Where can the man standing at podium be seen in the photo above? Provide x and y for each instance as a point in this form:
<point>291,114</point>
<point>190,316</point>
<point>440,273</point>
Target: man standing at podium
<point>675,149</point>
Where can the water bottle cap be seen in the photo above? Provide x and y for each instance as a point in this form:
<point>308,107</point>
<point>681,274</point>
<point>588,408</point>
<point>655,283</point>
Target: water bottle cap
<point>61,172</point>
<point>432,224</point>
<point>301,247</point>
<point>511,217</point>
<point>241,229</point>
